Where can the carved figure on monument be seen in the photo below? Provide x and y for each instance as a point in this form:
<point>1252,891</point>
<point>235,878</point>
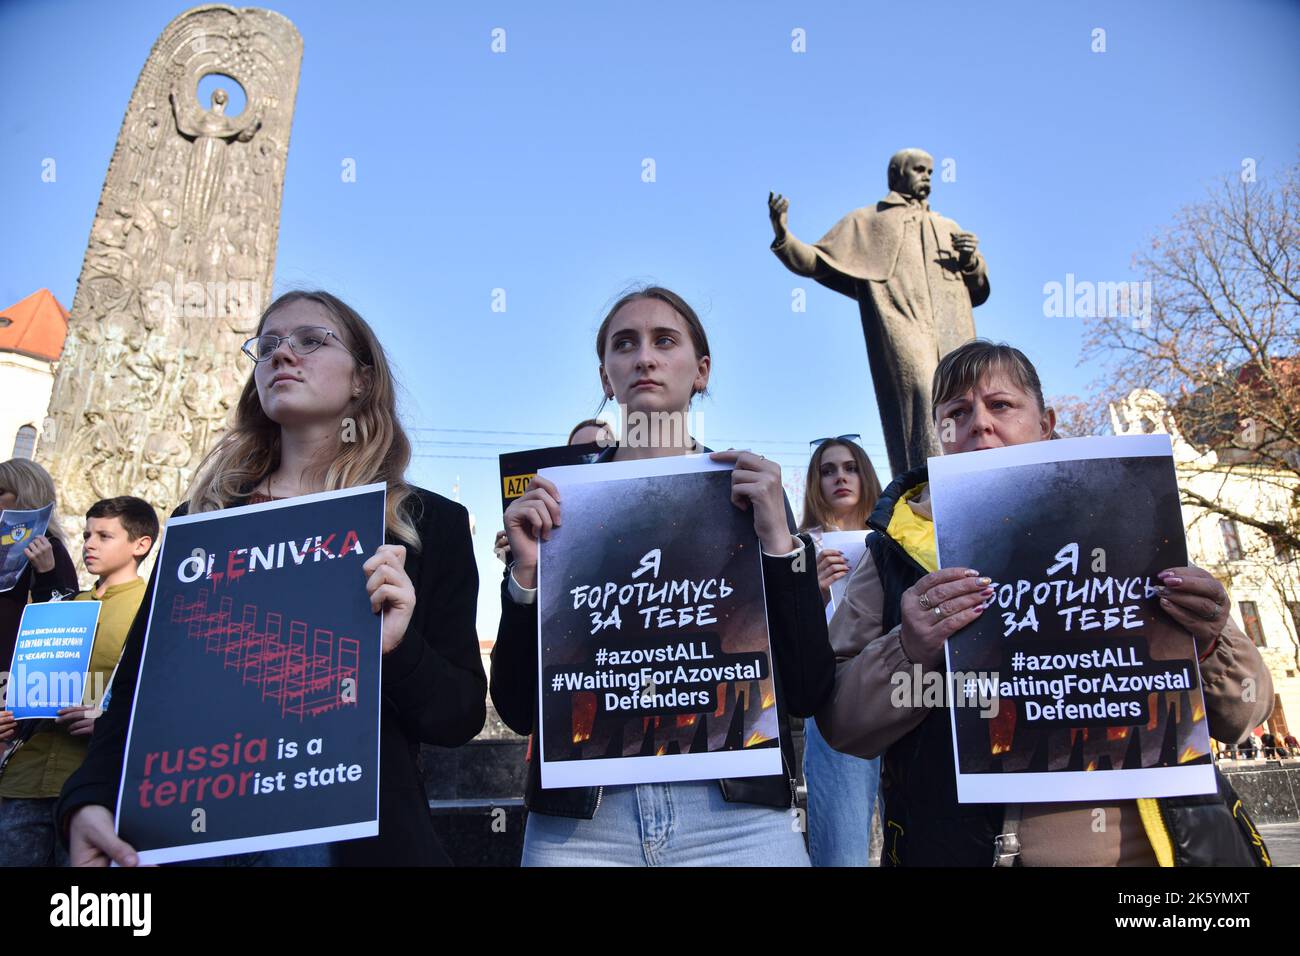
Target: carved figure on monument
<point>219,244</point>
<point>170,445</point>
<point>145,135</point>
<point>144,335</point>
<point>210,130</point>
<point>103,441</point>
<point>916,276</point>
<point>158,491</point>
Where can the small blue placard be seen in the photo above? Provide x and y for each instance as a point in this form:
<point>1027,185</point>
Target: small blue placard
<point>52,658</point>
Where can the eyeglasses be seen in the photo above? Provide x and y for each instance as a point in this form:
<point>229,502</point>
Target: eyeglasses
<point>303,341</point>
<point>813,445</point>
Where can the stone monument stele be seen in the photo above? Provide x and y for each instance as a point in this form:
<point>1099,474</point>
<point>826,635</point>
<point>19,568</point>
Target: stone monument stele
<point>179,263</point>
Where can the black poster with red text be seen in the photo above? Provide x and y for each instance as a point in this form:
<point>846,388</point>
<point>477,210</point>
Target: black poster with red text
<point>255,724</point>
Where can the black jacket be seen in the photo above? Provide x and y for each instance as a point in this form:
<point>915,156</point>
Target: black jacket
<point>803,674</point>
<point>434,692</point>
<point>923,823</point>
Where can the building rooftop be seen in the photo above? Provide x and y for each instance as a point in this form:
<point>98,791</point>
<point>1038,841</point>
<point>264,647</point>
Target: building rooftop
<point>35,326</point>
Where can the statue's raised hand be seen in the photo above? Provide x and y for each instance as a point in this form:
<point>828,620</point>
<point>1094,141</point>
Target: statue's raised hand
<point>778,210</point>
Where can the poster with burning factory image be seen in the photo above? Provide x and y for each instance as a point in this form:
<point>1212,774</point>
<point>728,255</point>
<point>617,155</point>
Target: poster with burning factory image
<point>654,661</point>
<point>255,723</point>
<point>1073,684</point>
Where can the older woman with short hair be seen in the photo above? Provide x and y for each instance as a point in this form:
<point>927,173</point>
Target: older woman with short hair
<point>989,396</point>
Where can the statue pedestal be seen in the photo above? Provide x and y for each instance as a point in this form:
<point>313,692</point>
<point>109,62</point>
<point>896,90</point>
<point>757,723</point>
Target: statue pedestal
<point>1268,788</point>
<point>476,795</point>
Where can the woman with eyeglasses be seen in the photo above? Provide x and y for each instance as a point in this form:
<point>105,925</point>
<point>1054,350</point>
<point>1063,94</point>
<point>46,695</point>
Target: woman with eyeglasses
<point>654,359</point>
<point>317,363</point>
<point>839,493</point>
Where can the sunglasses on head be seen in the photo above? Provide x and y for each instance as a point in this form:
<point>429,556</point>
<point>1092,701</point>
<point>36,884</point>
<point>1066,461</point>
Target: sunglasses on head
<point>817,442</point>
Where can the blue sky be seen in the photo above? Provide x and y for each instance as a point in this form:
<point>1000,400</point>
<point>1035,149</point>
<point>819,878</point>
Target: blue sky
<point>522,171</point>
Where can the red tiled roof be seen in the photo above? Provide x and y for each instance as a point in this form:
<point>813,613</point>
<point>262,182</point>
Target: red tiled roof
<point>36,326</point>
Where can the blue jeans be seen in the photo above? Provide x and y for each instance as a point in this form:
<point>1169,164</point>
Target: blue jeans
<point>27,836</point>
<point>841,799</point>
<point>667,824</point>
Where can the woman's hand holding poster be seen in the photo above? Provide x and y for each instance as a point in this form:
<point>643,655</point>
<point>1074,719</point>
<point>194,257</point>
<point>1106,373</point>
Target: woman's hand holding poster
<point>653,643</point>
<point>1073,684</point>
<point>17,531</point>
<point>851,545</point>
<point>256,716</point>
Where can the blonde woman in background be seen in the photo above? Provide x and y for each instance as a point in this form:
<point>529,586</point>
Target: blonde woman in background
<point>839,493</point>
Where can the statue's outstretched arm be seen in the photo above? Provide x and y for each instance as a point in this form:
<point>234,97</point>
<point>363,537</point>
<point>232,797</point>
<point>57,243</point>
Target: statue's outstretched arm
<point>799,257</point>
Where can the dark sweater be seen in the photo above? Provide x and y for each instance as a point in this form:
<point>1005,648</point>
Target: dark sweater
<point>434,692</point>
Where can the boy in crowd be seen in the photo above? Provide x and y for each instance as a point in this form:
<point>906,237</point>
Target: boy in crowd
<point>119,535</point>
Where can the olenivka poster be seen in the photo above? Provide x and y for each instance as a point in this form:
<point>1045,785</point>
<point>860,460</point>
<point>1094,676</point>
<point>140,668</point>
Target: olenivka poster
<point>1072,685</point>
<point>255,724</point>
<point>654,660</point>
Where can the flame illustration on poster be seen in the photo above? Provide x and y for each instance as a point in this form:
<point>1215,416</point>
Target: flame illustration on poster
<point>653,651</point>
<point>1073,684</point>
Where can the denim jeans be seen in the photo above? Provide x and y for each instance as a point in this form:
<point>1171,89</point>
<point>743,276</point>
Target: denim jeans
<point>27,835</point>
<point>667,824</point>
<point>841,799</point>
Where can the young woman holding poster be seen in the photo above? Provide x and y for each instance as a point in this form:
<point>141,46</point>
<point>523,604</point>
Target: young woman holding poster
<point>840,491</point>
<point>654,358</point>
<point>898,612</point>
<point>317,368</point>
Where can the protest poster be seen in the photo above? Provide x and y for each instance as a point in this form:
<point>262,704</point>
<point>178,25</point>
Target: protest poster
<point>255,722</point>
<point>851,544</point>
<point>1072,685</point>
<point>52,658</point>
<point>519,467</point>
<point>654,660</point>
<point>17,528</point>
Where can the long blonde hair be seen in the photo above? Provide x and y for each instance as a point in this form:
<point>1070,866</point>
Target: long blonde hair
<point>379,449</point>
<point>33,488</point>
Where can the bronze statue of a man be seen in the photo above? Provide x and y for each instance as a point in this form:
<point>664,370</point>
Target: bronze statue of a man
<point>916,277</point>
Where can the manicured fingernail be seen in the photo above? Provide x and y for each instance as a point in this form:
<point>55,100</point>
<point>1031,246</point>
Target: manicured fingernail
<point>1165,602</point>
<point>986,581</point>
<point>972,573</point>
<point>1173,581</point>
<point>1162,591</point>
<point>987,592</point>
<point>980,609</point>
